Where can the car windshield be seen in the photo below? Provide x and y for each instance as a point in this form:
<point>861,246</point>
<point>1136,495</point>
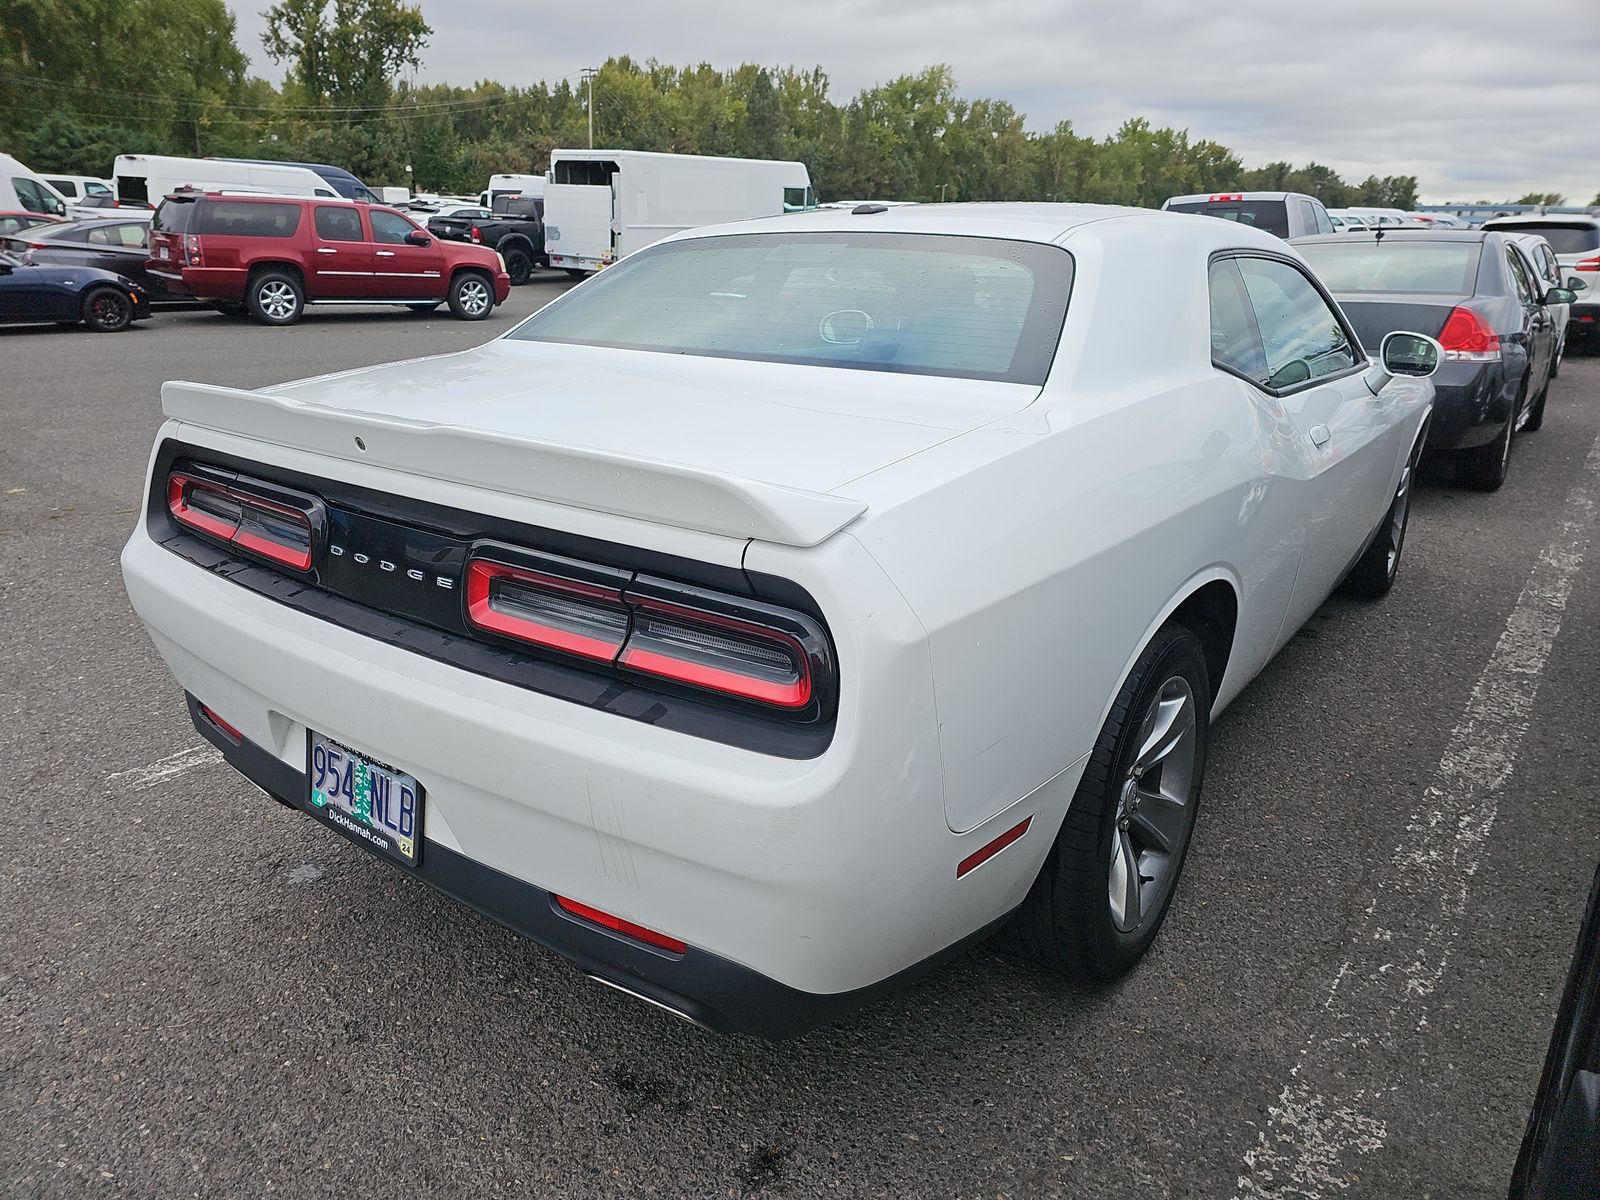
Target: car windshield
<point>1424,267</point>
<point>1271,216</point>
<point>974,308</point>
<point>1576,238</point>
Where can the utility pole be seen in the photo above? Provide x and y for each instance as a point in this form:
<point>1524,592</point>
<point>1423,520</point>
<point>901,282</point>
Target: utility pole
<point>588,77</point>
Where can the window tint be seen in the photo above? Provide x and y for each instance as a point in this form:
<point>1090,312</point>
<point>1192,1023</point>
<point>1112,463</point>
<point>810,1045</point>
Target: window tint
<point>68,233</point>
<point>339,224</point>
<point>978,308</point>
<point>130,233</point>
<point>174,216</point>
<point>389,228</point>
<point>1272,216</point>
<point>1521,284</point>
<point>1302,337</point>
<point>35,197</point>
<point>1448,268</point>
<point>1324,221</point>
<point>1579,237</point>
<point>65,186</point>
<point>247,218</point>
<point>1234,342</point>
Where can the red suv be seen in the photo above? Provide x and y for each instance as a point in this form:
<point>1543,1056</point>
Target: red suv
<point>273,255</point>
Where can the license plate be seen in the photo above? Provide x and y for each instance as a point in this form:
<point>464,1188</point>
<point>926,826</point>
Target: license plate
<point>163,252</point>
<point>365,800</point>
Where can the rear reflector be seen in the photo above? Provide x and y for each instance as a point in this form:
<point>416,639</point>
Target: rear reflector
<point>978,857</point>
<point>211,716</point>
<point>252,523</point>
<point>626,928</point>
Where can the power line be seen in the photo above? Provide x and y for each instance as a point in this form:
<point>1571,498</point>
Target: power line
<point>428,106</point>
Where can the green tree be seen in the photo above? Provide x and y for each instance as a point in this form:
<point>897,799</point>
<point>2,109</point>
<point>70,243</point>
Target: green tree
<point>1541,198</point>
<point>345,52</point>
<point>763,118</point>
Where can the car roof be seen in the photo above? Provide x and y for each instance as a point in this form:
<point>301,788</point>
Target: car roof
<point>1557,219</point>
<point>1030,222</point>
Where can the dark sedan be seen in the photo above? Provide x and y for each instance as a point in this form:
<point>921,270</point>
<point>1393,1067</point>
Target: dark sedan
<point>117,244</point>
<point>1475,294</point>
<point>33,294</point>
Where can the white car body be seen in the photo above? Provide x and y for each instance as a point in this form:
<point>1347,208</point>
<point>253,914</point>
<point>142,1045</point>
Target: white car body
<point>149,178</point>
<point>23,190</point>
<point>511,185</point>
<point>630,199</point>
<point>1575,240</point>
<point>989,558</point>
<point>1546,267</point>
<point>1384,216</point>
<point>79,187</point>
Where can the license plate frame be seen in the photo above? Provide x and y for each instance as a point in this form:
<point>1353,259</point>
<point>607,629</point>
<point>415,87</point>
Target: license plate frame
<point>367,802</point>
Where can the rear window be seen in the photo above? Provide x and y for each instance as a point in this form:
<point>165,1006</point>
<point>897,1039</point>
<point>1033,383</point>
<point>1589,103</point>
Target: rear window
<point>1270,216</point>
<point>1422,267</point>
<point>526,208</point>
<point>973,308</point>
<point>247,218</point>
<point>1576,238</point>
<point>174,216</point>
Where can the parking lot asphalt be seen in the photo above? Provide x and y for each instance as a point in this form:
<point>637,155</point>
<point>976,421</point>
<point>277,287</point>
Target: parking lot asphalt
<point>1352,996</point>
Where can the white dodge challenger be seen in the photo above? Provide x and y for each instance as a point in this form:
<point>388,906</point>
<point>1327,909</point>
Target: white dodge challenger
<point>796,602</point>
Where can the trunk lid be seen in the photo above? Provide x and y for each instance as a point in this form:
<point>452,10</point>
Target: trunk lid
<point>748,449</point>
<point>1374,316</point>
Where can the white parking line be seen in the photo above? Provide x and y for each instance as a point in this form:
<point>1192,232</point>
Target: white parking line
<point>163,768</point>
<point>1332,1105</point>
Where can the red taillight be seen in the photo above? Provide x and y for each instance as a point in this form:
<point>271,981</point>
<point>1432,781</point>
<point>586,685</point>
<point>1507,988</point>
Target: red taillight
<point>1587,264</point>
<point>560,614</point>
<point>211,716</point>
<point>263,527</point>
<point>706,640</point>
<point>1467,337</point>
<point>476,235</point>
<point>717,652</point>
<point>978,857</point>
<point>191,251</point>
<point>627,928</point>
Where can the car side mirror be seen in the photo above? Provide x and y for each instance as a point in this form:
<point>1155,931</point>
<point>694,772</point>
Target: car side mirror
<point>419,239</point>
<point>1561,296</point>
<point>1577,285</point>
<point>1410,354</point>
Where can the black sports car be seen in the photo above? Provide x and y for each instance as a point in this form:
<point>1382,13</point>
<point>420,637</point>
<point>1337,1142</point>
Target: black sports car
<point>32,294</point>
<point>116,244</point>
<point>1473,292</point>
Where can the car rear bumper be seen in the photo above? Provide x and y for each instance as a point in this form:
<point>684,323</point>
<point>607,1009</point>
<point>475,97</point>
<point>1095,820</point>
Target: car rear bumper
<point>801,887</point>
<point>1471,406</point>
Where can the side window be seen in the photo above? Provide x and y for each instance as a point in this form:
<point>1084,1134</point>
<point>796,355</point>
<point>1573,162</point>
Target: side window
<point>338,224</point>
<point>1324,221</point>
<point>1519,276</point>
<point>389,228</point>
<point>134,234</point>
<point>1308,215</point>
<point>65,186</point>
<point>1235,345</point>
<point>104,235</point>
<point>1301,335</point>
<point>35,198</point>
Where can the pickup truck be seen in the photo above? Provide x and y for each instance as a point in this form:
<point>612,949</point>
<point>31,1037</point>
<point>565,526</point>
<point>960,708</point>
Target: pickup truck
<point>515,228</point>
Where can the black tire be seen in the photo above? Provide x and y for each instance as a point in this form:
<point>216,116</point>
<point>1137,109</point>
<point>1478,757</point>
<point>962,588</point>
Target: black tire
<point>1485,468</point>
<point>275,297</point>
<point>471,296</point>
<point>1555,363</point>
<point>424,308</point>
<point>1067,922</point>
<point>1535,419</point>
<point>1375,571</point>
<point>576,273</point>
<point>519,265</point>
<point>107,309</point>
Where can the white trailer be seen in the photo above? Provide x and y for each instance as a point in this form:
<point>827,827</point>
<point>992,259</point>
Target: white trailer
<point>151,177</point>
<point>602,204</point>
<point>510,185</point>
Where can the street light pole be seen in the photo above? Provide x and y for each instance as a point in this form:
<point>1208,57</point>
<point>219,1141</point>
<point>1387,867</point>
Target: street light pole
<point>588,77</point>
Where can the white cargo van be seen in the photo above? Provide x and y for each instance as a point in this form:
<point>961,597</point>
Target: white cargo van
<point>510,185</point>
<point>21,190</point>
<point>602,204</point>
<point>150,177</point>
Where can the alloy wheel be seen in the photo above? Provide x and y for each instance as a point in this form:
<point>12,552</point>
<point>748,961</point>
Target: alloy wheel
<point>474,297</point>
<point>277,300</point>
<point>1154,812</point>
<point>109,310</point>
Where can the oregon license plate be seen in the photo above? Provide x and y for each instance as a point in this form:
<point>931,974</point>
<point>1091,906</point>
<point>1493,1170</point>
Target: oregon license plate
<point>365,800</point>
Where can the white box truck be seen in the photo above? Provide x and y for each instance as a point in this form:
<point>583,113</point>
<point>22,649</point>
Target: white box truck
<point>602,204</point>
<point>150,178</point>
<point>511,185</point>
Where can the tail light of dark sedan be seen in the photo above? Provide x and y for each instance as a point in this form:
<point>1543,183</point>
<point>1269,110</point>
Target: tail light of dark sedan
<point>1467,337</point>
<point>239,515</point>
<point>705,640</point>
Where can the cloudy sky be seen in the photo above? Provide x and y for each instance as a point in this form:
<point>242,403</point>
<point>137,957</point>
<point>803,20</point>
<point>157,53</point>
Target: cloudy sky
<point>1477,98</point>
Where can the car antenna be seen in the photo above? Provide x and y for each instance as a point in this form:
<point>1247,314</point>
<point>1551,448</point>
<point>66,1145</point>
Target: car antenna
<point>1379,236</point>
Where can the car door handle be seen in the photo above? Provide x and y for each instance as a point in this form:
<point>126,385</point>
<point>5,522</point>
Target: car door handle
<point>385,253</point>
<point>326,250</point>
<point>1319,435</point>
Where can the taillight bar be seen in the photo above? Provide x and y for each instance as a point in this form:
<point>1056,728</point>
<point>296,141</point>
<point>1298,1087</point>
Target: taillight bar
<point>1587,264</point>
<point>709,641</point>
<point>278,532</point>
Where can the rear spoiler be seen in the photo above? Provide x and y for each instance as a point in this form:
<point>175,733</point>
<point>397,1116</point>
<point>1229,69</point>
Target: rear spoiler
<point>662,493</point>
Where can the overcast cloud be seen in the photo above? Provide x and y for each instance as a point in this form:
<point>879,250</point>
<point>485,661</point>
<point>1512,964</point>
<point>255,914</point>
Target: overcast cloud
<point>1477,98</point>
